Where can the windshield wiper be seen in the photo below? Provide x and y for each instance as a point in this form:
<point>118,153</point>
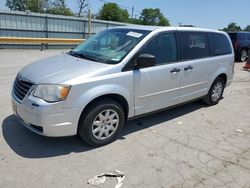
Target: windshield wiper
<point>83,56</point>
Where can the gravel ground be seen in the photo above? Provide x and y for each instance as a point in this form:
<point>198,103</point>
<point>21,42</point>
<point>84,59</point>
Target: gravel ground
<point>188,146</point>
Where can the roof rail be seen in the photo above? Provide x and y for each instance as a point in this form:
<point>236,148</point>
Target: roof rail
<point>186,25</point>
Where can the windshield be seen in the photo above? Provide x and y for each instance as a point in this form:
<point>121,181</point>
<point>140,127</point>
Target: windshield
<point>109,46</point>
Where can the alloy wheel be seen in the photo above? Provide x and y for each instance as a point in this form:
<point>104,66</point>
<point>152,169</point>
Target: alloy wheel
<point>217,91</point>
<point>105,124</point>
<point>243,55</point>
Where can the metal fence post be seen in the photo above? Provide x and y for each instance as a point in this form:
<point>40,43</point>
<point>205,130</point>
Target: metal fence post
<point>47,30</point>
<point>89,23</point>
<point>42,46</point>
<point>84,29</point>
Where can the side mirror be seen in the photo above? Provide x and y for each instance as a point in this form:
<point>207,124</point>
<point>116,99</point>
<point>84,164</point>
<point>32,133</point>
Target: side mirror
<point>144,61</point>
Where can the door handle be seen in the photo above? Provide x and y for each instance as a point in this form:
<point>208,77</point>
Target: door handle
<point>188,68</point>
<point>175,70</point>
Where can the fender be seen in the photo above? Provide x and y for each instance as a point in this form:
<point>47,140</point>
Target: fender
<point>94,92</point>
<point>220,71</point>
<point>101,90</point>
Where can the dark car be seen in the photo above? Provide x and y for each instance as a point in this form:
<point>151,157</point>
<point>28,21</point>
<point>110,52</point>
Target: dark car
<point>241,44</point>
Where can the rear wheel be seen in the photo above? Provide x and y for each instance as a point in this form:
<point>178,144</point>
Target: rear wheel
<point>101,123</point>
<point>215,93</point>
<point>243,55</point>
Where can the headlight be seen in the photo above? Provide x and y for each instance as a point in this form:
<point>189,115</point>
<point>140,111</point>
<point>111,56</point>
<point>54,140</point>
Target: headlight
<point>52,93</point>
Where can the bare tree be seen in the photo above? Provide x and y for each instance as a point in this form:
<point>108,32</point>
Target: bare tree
<point>62,2</point>
<point>81,5</point>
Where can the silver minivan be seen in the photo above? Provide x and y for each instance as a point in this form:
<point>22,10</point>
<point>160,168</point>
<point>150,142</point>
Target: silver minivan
<point>118,74</point>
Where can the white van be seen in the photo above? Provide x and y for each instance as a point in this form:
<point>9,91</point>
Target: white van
<point>118,74</point>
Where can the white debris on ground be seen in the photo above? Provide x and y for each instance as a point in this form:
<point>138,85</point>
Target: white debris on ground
<point>99,180</point>
<point>239,130</point>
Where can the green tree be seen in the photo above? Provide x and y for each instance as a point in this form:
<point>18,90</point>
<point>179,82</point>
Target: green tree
<point>59,7</point>
<point>134,21</point>
<point>112,12</point>
<point>60,11</point>
<point>232,27</point>
<point>19,5</point>
<point>247,28</point>
<point>151,16</point>
<point>37,5</point>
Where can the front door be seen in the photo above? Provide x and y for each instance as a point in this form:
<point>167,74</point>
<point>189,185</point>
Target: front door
<point>158,87</point>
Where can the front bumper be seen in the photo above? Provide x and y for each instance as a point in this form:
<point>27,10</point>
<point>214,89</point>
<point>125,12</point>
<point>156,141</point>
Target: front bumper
<point>47,119</point>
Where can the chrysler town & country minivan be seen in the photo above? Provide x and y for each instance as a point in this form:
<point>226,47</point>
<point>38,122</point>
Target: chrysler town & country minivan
<point>118,74</point>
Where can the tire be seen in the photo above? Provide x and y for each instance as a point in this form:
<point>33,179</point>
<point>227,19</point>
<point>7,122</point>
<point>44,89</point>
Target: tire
<point>101,123</point>
<point>243,55</point>
<point>215,92</point>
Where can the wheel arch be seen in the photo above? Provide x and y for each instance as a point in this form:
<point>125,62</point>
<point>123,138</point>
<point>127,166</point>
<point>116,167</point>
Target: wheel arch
<point>223,76</point>
<point>113,96</point>
<point>222,73</point>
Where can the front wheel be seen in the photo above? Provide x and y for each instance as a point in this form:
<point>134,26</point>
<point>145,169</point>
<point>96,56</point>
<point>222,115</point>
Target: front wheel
<point>101,123</point>
<point>215,93</point>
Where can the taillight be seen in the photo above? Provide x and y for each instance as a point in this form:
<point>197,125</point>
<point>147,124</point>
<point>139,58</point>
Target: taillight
<point>236,44</point>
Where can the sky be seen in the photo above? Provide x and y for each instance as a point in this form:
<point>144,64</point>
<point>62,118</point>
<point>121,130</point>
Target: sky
<point>214,14</point>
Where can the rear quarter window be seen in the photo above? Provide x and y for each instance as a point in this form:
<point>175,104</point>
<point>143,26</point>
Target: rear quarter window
<point>219,44</point>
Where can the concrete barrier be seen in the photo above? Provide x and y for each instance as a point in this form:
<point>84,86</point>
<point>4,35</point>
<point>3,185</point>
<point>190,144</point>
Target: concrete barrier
<point>42,41</point>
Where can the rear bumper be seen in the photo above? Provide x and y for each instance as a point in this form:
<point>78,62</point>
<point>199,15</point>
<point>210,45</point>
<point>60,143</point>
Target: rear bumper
<point>46,119</point>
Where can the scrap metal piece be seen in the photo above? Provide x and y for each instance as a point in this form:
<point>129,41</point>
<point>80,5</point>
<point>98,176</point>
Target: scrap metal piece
<point>99,180</point>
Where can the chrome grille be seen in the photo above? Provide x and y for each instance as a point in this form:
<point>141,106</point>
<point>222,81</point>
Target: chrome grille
<point>21,88</point>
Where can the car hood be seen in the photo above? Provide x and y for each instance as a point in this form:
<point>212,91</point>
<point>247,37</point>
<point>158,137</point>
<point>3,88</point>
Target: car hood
<point>60,68</point>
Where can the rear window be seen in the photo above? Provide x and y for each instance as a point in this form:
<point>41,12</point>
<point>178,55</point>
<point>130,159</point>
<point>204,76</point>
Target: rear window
<point>242,36</point>
<point>194,45</point>
<point>219,44</point>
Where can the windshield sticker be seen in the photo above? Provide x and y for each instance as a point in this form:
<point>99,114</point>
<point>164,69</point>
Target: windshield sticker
<point>134,34</point>
<point>116,58</point>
